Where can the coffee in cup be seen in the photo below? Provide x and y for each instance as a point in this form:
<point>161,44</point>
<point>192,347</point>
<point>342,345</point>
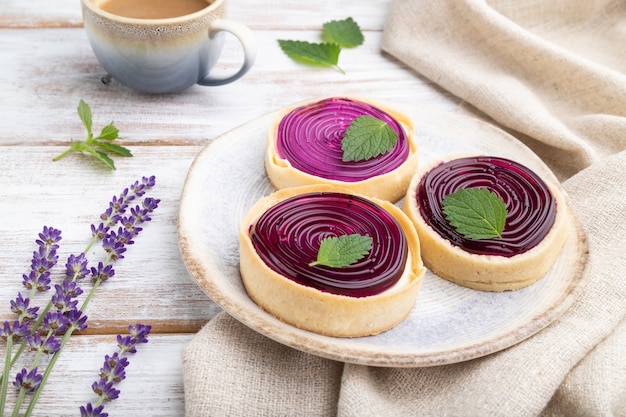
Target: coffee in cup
<point>163,46</point>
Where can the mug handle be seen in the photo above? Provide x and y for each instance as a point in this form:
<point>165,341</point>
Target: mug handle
<point>244,35</point>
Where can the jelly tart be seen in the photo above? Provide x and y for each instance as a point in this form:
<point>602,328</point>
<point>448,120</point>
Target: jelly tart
<point>280,238</point>
<point>535,228</point>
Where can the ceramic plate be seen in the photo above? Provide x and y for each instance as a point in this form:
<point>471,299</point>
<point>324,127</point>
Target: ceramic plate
<point>448,324</point>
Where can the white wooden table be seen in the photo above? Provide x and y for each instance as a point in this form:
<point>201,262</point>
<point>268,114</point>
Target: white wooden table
<point>46,67</point>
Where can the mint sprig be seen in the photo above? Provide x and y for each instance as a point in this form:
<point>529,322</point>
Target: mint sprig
<point>99,146</point>
<point>336,34</point>
<point>476,213</point>
<point>338,252</point>
<point>366,138</point>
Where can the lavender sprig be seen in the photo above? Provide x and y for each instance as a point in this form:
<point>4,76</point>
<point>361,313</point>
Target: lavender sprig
<point>47,331</point>
<point>38,279</point>
<point>113,370</point>
<point>114,246</point>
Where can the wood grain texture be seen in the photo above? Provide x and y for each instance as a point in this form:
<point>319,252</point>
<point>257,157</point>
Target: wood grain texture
<point>48,71</point>
<point>263,15</point>
<point>153,385</point>
<point>47,67</point>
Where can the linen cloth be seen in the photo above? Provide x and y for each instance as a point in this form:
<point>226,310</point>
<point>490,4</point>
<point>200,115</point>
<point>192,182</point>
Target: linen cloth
<point>552,73</point>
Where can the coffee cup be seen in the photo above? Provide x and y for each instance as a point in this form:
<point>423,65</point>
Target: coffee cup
<point>164,46</point>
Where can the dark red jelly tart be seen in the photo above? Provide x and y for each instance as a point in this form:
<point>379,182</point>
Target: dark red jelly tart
<point>287,238</point>
<point>530,204</point>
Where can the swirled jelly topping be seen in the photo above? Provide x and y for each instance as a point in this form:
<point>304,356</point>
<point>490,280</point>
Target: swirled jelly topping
<point>310,136</point>
<point>530,205</point>
<point>287,238</point>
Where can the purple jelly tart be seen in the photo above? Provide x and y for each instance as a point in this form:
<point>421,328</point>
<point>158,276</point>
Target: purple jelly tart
<point>304,147</point>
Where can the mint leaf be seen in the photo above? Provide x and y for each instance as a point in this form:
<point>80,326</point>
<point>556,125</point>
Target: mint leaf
<point>366,138</point>
<point>337,252</point>
<point>345,33</point>
<point>323,54</point>
<point>109,132</point>
<point>112,148</point>
<point>101,156</point>
<point>91,145</point>
<point>476,213</point>
<point>84,112</point>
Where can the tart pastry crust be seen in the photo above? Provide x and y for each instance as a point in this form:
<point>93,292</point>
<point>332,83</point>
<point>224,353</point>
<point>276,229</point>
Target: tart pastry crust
<point>323,312</point>
<point>487,272</point>
<point>390,186</point>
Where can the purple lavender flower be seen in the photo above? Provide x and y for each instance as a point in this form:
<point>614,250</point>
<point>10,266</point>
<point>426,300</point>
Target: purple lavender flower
<point>119,204</point>
<point>149,182</point>
<point>138,335</point>
<point>77,319</point>
<point>150,204</point>
<point>76,267</point>
<point>105,389</point>
<point>28,380</point>
<point>115,360</point>
<point>48,345</point>
<point>20,307</point>
<point>55,322</point>
<point>63,303</point>
<point>140,332</point>
<point>90,411</point>
<point>114,248</point>
<point>49,238</point>
<point>44,258</point>
<point>102,272</point>
<point>122,236</point>
<point>70,288</point>
<point>139,188</point>
<point>115,373</point>
<point>15,331</point>
<point>128,222</point>
<point>100,231</point>
<point>39,282</point>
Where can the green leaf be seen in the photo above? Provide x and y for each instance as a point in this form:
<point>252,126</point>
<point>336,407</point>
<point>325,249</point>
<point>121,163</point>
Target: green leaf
<point>476,213</point>
<point>109,132</point>
<point>337,252</point>
<point>322,54</point>
<point>366,138</point>
<point>110,147</point>
<point>84,147</point>
<point>345,33</point>
<point>84,112</point>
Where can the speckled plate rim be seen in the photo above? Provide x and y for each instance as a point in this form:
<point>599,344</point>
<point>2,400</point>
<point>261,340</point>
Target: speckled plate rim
<point>208,247</point>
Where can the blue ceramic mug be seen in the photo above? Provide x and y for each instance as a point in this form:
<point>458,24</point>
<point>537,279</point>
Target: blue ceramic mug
<point>165,55</point>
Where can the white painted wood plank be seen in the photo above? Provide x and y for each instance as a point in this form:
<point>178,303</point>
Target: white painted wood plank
<point>153,384</point>
<point>269,14</point>
<point>46,72</point>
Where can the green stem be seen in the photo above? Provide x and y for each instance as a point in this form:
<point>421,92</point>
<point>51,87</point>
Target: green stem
<point>34,328</point>
<point>5,374</point>
<point>18,402</point>
<point>66,338</point>
<point>48,371</point>
<point>63,154</point>
<point>91,243</point>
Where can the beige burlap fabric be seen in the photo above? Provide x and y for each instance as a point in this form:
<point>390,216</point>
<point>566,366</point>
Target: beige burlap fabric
<point>552,73</point>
